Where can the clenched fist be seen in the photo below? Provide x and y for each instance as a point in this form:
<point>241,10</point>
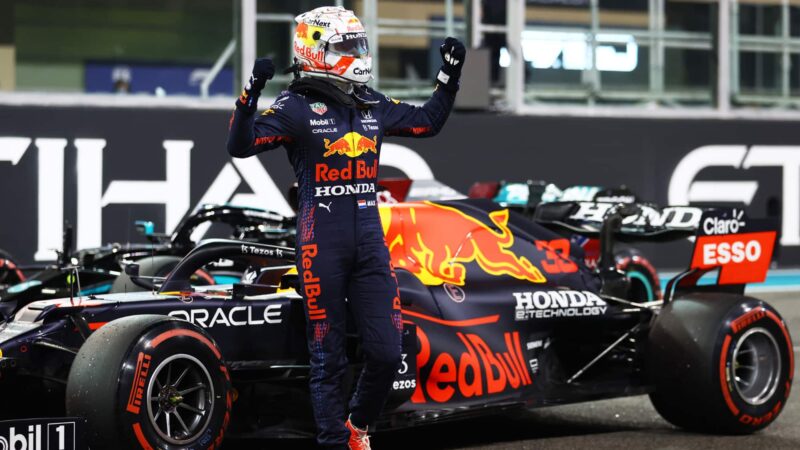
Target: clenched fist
<point>263,71</point>
<point>453,54</point>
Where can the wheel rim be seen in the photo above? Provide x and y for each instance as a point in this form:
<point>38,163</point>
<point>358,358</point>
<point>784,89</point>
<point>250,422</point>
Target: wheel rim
<point>180,399</point>
<point>756,366</point>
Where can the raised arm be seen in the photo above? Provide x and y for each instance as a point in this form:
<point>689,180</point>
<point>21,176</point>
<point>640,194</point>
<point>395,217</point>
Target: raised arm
<point>402,119</point>
<point>249,134</point>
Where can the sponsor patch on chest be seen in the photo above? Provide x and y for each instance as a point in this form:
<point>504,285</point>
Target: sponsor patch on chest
<point>319,108</point>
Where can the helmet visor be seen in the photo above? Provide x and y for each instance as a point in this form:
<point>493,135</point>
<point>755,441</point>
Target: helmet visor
<point>349,44</point>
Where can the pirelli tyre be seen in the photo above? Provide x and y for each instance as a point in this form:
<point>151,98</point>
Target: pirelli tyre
<point>150,382</point>
<point>720,363</point>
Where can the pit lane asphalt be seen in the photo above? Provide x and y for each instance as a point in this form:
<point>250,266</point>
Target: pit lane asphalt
<point>629,423</point>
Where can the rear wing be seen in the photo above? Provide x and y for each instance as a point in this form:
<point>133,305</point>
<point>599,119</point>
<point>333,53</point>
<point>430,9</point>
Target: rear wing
<point>739,248</point>
<point>645,222</point>
<point>725,240</point>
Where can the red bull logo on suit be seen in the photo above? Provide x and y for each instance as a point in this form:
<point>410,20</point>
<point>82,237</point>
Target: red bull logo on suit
<point>351,144</point>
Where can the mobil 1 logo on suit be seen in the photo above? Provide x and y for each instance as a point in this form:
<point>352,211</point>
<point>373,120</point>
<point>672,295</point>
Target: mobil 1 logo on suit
<point>63,433</point>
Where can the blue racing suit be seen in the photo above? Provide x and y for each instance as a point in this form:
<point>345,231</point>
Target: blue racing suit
<point>334,148</point>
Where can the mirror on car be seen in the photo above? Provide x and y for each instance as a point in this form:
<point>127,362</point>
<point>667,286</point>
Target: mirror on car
<point>145,227</point>
<point>132,270</point>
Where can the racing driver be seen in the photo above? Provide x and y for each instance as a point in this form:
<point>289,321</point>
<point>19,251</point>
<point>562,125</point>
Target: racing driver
<point>332,125</point>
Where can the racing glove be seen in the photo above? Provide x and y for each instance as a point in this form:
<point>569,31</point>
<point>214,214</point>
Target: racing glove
<point>263,70</point>
<point>453,54</point>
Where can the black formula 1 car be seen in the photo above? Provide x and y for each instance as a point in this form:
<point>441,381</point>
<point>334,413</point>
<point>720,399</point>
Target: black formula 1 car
<point>525,197</point>
<point>99,270</point>
<point>499,312</point>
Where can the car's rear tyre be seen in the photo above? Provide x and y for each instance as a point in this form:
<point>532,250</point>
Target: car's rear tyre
<point>720,363</point>
<point>150,382</point>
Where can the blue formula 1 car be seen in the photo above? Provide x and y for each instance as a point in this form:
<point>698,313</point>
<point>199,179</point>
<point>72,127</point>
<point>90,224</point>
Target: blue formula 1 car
<point>500,311</point>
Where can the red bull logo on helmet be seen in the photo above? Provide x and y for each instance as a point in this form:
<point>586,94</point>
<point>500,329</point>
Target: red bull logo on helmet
<point>435,242</point>
<point>351,144</point>
<point>354,25</point>
<point>306,32</point>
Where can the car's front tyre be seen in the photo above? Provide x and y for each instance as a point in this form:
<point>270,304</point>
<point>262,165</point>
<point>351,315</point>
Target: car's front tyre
<point>150,382</point>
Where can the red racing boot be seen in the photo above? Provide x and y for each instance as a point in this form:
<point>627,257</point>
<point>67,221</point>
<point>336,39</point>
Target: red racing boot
<point>359,440</point>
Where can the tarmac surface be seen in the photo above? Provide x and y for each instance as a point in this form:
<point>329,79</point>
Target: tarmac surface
<point>627,423</point>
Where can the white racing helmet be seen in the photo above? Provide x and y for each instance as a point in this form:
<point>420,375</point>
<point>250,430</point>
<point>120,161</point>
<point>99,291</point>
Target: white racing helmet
<point>330,42</point>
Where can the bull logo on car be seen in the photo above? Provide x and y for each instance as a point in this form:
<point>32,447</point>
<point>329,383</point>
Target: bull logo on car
<point>435,242</point>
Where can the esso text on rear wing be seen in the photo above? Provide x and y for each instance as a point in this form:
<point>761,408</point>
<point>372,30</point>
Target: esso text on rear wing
<point>737,248</point>
<point>740,247</point>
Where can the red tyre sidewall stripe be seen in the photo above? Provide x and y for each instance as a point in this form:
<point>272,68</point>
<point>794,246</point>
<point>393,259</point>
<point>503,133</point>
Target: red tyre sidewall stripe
<point>724,354</point>
<point>137,430</point>
<point>640,260</point>
<point>224,371</point>
<point>645,264</point>
<point>723,379</point>
<point>11,266</point>
<point>206,276</point>
<point>789,347</point>
<point>182,332</point>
